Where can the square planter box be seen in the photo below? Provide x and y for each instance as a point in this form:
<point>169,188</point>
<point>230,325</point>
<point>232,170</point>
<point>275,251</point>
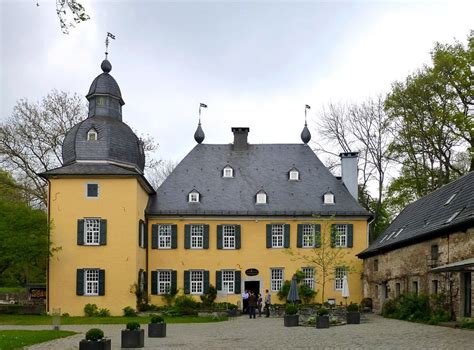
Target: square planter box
<point>157,330</point>
<point>95,345</point>
<point>291,320</point>
<point>353,317</point>
<point>322,322</point>
<point>133,339</point>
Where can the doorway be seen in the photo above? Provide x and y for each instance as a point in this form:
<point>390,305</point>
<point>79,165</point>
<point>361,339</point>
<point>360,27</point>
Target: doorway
<point>467,294</point>
<point>253,286</point>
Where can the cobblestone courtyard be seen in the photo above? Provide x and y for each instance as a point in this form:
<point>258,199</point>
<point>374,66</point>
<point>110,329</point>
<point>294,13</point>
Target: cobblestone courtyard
<point>261,333</point>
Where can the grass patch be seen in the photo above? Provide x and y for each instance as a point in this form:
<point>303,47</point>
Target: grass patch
<point>12,290</point>
<point>21,320</point>
<point>17,339</point>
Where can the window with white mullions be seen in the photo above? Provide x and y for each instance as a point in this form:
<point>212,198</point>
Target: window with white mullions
<point>91,282</point>
<point>308,276</point>
<point>276,279</point>
<point>164,236</point>
<point>309,236</point>
<point>277,236</point>
<point>92,231</point>
<point>197,236</point>
<point>339,273</point>
<point>164,281</point>
<point>341,235</point>
<point>228,236</point>
<point>197,282</point>
<point>228,283</point>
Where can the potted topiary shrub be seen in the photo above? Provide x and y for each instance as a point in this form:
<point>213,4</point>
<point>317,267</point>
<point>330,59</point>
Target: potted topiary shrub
<point>95,341</point>
<point>353,314</point>
<point>322,321</point>
<point>291,318</point>
<point>133,336</point>
<point>157,327</point>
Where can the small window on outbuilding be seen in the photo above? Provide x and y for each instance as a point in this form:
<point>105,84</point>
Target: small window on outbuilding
<point>193,197</point>
<point>294,175</point>
<point>92,190</point>
<point>261,198</point>
<point>228,171</point>
<point>92,135</point>
<point>328,198</point>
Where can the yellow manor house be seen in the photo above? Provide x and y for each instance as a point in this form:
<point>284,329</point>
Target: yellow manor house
<point>227,216</point>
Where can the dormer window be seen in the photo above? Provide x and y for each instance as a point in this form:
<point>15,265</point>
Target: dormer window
<point>261,198</point>
<point>328,198</point>
<point>228,172</point>
<point>450,199</point>
<point>193,197</point>
<point>92,135</point>
<point>294,175</point>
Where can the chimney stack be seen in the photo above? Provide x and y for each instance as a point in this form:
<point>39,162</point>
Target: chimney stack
<point>240,139</point>
<point>349,172</point>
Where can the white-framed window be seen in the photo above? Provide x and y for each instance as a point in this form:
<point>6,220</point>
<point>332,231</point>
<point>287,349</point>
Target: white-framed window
<point>261,198</point>
<point>91,282</point>
<point>278,236</point>
<point>276,279</point>
<point>197,281</point>
<point>92,190</point>
<point>294,175</point>
<point>141,243</point>
<point>163,281</point>
<point>91,231</point>
<point>228,237</point>
<point>193,197</point>
<point>92,135</point>
<point>197,236</point>
<point>228,281</point>
<point>341,235</point>
<point>308,276</point>
<point>339,274</point>
<point>328,198</point>
<point>142,280</point>
<point>309,236</point>
<point>228,172</point>
<point>164,236</point>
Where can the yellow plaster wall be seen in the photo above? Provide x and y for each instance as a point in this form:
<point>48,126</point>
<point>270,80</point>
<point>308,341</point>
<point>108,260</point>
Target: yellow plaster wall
<point>253,254</point>
<point>121,202</point>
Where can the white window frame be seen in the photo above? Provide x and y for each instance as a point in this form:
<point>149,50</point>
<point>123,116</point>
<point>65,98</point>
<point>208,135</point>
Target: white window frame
<point>87,190</point>
<point>276,279</point>
<point>196,236</point>
<point>341,235</point>
<point>339,273</point>
<point>278,235</point>
<point>261,198</point>
<point>164,236</point>
<point>328,198</point>
<point>90,133</point>
<point>228,172</point>
<point>163,281</point>
<point>193,197</point>
<point>294,175</point>
<point>308,276</point>
<point>228,281</point>
<point>91,231</point>
<point>228,236</point>
<point>91,282</point>
<point>309,236</point>
<point>196,281</point>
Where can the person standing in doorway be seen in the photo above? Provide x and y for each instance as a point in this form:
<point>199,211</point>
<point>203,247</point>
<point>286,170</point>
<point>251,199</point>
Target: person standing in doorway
<point>252,304</point>
<point>268,299</point>
<point>245,301</point>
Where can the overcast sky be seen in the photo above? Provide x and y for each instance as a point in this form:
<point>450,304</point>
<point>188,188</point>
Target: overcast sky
<point>254,64</point>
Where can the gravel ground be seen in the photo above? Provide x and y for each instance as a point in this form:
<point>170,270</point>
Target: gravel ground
<point>262,333</point>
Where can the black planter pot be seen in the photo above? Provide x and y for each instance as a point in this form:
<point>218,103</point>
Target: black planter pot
<point>353,317</point>
<point>103,344</point>
<point>157,330</point>
<point>291,320</point>
<point>322,322</point>
<point>133,339</point>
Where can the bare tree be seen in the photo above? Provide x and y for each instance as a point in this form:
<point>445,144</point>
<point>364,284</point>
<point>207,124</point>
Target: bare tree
<point>157,174</point>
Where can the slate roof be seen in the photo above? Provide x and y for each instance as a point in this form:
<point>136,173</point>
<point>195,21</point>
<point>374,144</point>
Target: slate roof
<point>429,216</point>
<point>105,84</point>
<point>261,167</point>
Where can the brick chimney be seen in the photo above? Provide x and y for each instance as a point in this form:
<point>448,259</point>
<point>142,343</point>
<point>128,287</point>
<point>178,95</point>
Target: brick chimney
<point>240,139</point>
<point>349,172</point>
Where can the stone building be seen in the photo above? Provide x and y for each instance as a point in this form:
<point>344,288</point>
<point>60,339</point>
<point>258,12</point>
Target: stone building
<point>428,249</point>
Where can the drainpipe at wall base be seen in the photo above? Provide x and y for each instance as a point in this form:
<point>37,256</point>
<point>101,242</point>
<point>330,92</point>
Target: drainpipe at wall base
<point>49,242</point>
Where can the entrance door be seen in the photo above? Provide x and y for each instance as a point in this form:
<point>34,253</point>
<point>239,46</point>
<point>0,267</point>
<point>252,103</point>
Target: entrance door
<point>467,294</point>
<point>253,286</point>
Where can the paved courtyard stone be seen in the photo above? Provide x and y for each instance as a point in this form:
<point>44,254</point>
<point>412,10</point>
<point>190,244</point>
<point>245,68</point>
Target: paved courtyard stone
<point>262,333</point>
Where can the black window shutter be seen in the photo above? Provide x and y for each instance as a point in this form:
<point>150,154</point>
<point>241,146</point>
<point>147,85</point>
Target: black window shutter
<point>80,282</point>
<point>237,282</point>
<point>350,235</point>
<point>333,236</point>
<point>187,236</point>
<point>101,282</point>
<point>286,228</point>
<point>219,236</point>
<point>187,282</point>
<point>103,232</point>
<point>154,236</point>
<point>206,281</point>
<point>317,235</point>
<point>205,244</point>
<point>80,233</point>
<point>299,237</point>
<point>174,236</point>
<point>154,282</point>
<point>237,237</point>
<point>269,235</point>
<point>219,280</point>
<point>174,281</point>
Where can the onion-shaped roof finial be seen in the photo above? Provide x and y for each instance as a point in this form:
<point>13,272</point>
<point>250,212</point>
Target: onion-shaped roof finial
<point>106,66</point>
<point>199,134</point>
<point>305,134</point>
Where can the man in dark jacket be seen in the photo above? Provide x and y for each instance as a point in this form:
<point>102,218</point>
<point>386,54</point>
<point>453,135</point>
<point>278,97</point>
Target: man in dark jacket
<point>252,304</point>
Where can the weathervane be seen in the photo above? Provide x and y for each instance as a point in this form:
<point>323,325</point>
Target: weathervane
<point>305,109</point>
<point>109,35</point>
<point>201,105</point>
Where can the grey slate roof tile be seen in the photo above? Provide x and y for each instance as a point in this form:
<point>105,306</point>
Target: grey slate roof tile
<point>90,169</point>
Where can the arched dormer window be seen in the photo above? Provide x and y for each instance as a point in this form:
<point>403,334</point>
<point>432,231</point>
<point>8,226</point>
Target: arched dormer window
<point>328,198</point>
<point>293,174</point>
<point>228,171</point>
<point>194,197</point>
<point>261,197</point>
<point>92,135</point>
